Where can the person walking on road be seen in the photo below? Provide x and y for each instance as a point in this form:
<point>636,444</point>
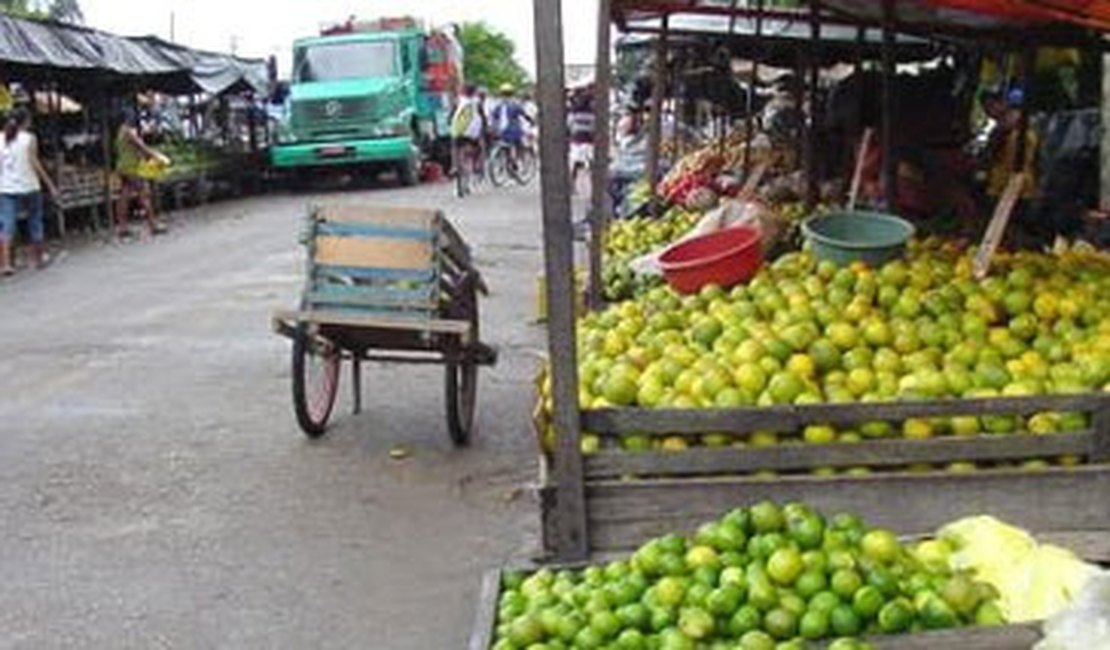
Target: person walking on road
<point>581,124</point>
<point>22,177</point>
<point>131,152</point>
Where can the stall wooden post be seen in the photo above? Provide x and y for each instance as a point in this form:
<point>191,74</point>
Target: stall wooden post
<point>565,511</point>
<point>890,168</point>
<point>812,179</point>
<point>55,103</point>
<point>753,84</point>
<point>599,182</point>
<point>106,149</point>
<point>655,123</point>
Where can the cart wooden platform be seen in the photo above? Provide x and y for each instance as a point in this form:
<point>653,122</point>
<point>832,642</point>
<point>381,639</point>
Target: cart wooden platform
<point>385,284</point>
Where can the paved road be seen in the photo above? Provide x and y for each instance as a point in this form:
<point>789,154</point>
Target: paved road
<point>154,489</point>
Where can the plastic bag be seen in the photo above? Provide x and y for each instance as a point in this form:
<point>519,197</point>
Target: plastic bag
<point>1086,624</point>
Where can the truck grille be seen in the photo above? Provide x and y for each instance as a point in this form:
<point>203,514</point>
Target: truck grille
<point>332,111</point>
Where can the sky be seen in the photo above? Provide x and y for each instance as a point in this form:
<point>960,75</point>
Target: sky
<point>260,28</point>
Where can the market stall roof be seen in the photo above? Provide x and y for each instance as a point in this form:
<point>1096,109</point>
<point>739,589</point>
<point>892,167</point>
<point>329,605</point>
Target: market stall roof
<point>42,50</point>
<point>778,37</point>
<point>1057,21</point>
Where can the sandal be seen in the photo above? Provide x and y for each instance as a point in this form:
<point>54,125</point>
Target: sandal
<point>8,272</point>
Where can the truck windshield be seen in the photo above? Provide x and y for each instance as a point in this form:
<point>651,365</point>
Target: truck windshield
<point>339,61</point>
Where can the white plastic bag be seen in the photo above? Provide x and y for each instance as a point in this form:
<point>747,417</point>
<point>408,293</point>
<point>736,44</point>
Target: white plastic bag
<point>1086,624</point>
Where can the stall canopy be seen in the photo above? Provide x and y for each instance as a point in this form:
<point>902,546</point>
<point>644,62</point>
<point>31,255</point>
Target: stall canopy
<point>33,50</point>
<point>1067,18</point>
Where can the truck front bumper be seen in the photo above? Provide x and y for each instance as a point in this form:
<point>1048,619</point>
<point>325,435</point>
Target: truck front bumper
<point>343,152</point>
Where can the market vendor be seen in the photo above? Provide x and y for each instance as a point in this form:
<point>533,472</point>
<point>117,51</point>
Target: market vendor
<point>132,152</point>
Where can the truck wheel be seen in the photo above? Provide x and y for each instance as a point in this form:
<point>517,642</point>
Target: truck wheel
<point>407,173</point>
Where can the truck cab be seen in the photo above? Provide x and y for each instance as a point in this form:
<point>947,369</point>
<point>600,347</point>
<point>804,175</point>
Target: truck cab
<point>360,98</point>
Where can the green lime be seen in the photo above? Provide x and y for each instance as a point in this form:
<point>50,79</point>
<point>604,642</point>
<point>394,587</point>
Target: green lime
<point>881,545</point>
<point>631,640</point>
<point>961,595</point>
<point>814,624</point>
<point>896,616</point>
<point>606,624</point>
<point>634,615</point>
<point>767,517</point>
<point>746,619</point>
<point>695,623</point>
<point>844,621</point>
<point>781,623</point>
<point>810,583</point>
<point>674,639</point>
<point>663,618</point>
<point>784,566</point>
<point>883,579</point>
<point>757,640</point>
<point>725,600</point>
<point>845,583</point>
<point>526,630</point>
<point>762,595</point>
<point>824,601</point>
<point>867,602</point>
<point>670,591</point>
<point>697,594</point>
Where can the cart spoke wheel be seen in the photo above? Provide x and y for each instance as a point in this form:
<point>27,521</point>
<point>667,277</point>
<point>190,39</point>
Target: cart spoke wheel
<point>461,388</point>
<point>315,381</point>
<point>461,376</point>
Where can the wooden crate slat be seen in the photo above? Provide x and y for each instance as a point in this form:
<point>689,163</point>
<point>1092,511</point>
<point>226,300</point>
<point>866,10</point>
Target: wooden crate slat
<point>373,230</point>
<point>454,327</point>
<point>876,453</point>
<point>373,253</point>
<point>378,214</point>
<point>624,514</point>
<point>789,418</point>
<point>481,637</point>
<point>370,273</point>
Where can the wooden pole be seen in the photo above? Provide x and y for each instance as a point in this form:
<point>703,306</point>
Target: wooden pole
<point>812,180</point>
<point>655,123</point>
<point>565,520</point>
<point>106,149</point>
<point>599,183</point>
<point>749,120</point>
<point>890,169</point>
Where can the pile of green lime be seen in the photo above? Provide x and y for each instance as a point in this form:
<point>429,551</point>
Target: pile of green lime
<point>760,578</point>
<point>629,239</point>
<point>807,332</point>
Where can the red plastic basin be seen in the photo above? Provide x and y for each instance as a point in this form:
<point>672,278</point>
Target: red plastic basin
<point>726,258</point>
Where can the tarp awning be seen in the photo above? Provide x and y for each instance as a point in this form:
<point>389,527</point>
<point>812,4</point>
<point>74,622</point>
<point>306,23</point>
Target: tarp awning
<point>33,48</point>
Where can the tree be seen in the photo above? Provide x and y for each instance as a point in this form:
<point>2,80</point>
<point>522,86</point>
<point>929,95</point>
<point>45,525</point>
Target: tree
<point>67,11</point>
<point>489,57</point>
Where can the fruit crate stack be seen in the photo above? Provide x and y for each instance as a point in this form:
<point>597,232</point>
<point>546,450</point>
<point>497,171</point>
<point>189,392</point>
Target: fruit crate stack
<point>774,576</point>
<point>910,393</point>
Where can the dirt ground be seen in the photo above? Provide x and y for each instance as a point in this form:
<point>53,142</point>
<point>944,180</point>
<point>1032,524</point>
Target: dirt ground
<point>155,491</point>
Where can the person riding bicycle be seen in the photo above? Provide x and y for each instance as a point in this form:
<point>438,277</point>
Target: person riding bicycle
<point>468,126</point>
<point>509,118</point>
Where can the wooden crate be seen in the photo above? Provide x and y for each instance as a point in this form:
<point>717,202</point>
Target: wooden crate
<point>629,497</point>
<point>1010,637</point>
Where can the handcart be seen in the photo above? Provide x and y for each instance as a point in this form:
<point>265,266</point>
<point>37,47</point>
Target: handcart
<point>385,284</point>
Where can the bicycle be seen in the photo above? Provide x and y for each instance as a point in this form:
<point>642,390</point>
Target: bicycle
<point>508,162</point>
<point>470,169</point>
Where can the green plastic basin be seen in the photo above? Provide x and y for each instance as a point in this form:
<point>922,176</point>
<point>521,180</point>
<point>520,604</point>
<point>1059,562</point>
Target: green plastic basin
<point>874,238</point>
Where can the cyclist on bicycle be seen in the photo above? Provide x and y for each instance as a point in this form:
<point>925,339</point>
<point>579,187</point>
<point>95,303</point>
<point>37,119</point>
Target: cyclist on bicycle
<point>509,118</point>
<point>468,128</point>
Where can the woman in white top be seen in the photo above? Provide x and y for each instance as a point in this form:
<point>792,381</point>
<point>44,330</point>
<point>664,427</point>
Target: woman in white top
<point>21,179</point>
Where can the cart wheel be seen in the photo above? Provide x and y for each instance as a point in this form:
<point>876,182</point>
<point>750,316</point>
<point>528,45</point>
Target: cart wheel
<point>315,381</point>
<point>461,386</point>
<point>461,379</point>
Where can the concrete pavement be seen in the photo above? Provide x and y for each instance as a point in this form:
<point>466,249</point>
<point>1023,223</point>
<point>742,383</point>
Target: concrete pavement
<point>155,491</point>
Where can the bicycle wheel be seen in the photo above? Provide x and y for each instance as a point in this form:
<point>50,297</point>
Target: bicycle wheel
<point>527,163</point>
<point>497,169</point>
<point>315,381</point>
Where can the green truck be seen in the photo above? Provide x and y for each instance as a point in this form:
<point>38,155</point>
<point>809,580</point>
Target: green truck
<point>370,96</point>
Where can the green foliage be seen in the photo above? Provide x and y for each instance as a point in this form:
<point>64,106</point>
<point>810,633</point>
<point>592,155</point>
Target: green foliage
<point>489,57</point>
<point>62,10</point>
